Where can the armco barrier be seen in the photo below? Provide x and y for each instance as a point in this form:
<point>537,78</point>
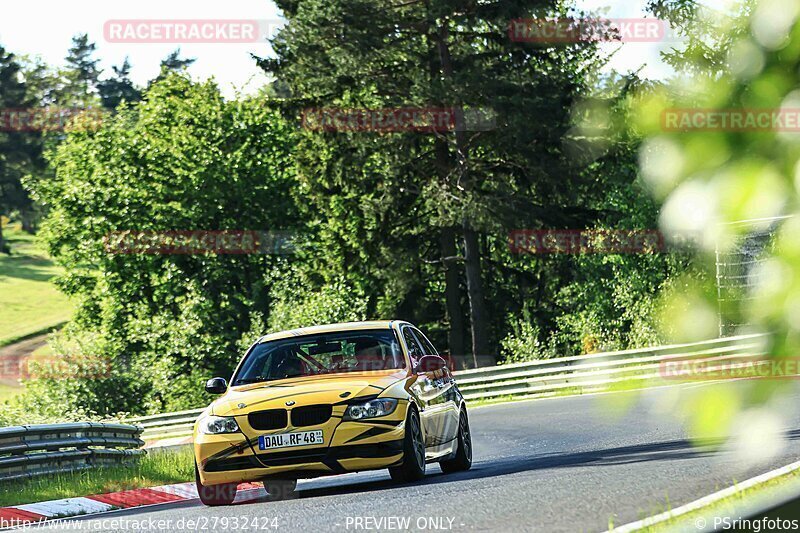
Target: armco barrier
<point>596,371</point>
<point>28,451</point>
<point>167,425</point>
<point>544,377</point>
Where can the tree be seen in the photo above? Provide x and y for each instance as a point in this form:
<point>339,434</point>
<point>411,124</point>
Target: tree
<point>181,159</point>
<point>81,64</point>
<point>16,148</point>
<point>708,34</point>
<point>120,88</point>
<point>447,199</point>
<point>712,179</point>
<point>172,64</point>
<point>72,90</point>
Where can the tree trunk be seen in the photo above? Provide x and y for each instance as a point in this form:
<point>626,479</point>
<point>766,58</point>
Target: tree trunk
<point>477,308</point>
<point>2,241</point>
<point>455,333</point>
<point>477,305</point>
<point>28,221</point>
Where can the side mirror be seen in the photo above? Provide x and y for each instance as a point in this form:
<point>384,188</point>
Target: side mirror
<point>431,363</point>
<point>216,386</point>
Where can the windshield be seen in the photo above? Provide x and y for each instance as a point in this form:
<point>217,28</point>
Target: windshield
<point>329,353</point>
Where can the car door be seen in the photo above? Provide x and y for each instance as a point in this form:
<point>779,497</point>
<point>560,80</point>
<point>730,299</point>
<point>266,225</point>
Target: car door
<point>445,403</point>
<point>424,389</point>
<point>429,393</point>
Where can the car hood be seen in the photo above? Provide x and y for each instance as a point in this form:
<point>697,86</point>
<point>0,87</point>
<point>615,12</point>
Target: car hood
<point>309,390</point>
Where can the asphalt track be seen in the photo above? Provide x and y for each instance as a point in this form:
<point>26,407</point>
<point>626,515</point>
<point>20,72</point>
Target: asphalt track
<point>561,464</point>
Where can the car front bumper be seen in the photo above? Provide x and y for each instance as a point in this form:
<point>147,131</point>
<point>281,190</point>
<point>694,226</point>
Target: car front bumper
<point>354,446</point>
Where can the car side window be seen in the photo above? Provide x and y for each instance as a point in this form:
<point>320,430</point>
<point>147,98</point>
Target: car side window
<point>427,347</point>
<point>414,349</point>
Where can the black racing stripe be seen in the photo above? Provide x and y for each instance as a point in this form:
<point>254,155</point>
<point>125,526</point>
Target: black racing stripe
<point>357,399</point>
<point>371,432</point>
<point>442,443</point>
<point>384,422</point>
<point>334,465</point>
<point>236,448</point>
<point>367,451</point>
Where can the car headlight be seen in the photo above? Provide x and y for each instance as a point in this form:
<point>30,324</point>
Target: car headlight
<point>370,409</point>
<point>214,425</point>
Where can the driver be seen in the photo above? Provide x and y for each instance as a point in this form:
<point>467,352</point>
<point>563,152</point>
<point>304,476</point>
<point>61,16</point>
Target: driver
<point>369,355</point>
<point>290,366</point>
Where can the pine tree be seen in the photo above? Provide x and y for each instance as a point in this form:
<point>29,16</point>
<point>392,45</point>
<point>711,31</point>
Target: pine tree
<point>81,63</point>
<point>14,148</point>
<point>118,88</point>
<point>448,199</point>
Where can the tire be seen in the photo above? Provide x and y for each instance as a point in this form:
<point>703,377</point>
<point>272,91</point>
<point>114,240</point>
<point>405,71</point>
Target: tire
<point>280,489</point>
<point>214,495</point>
<point>413,467</point>
<point>463,458</point>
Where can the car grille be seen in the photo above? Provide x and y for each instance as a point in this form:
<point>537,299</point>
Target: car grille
<point>270,419</point>
<point>311,415</point>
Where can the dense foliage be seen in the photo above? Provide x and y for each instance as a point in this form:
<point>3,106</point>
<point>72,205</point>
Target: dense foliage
<point>183,159</point>
<point>710,182</point>
<point>411,225</point>
<point>421,222</point>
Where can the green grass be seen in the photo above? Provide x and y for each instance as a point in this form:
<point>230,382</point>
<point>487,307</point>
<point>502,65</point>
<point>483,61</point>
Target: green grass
<point>29,301</point>
<point>152,470</point>
<point>492,401</point>
<point>733,505</point>
<point>7,392</point>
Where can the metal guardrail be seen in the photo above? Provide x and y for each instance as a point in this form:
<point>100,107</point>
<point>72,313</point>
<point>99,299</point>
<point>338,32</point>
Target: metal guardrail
<point>166,425</point>
<point>544,377</point>
<point>28,451</point>
<point>597,371</point>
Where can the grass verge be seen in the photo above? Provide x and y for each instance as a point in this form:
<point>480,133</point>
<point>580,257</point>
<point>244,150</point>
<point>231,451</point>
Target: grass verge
<point>739,504</point>
<point>152,470</point>
<point>29,300</point>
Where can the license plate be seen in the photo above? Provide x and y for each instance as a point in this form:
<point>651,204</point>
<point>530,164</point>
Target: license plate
<point>290,440</point>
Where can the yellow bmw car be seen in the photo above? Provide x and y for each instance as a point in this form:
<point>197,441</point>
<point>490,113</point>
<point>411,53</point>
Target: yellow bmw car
<point>328,400</point>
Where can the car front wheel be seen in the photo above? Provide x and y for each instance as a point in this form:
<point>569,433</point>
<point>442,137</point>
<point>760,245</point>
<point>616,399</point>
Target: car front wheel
<point>213,495</point>
<point>413,467</point>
